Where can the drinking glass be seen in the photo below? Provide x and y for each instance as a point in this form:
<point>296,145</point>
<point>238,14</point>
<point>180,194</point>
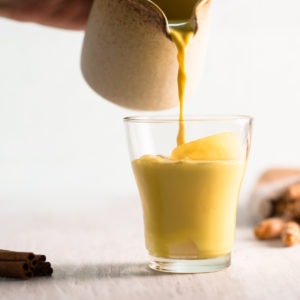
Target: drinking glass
<point>189,192</point>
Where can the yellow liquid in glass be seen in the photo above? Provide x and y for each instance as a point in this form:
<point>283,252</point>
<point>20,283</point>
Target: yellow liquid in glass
<point>189,207</point>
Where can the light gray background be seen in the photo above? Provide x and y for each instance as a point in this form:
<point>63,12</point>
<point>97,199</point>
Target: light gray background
<point>63,147</point>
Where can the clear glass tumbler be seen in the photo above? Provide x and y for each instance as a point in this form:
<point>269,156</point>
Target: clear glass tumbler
<point>189,192</point>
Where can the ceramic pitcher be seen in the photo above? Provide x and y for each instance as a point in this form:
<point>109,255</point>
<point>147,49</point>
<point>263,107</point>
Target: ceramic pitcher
<point>128,56</point>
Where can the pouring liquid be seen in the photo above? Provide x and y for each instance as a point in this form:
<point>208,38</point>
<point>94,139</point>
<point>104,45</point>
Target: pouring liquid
<point>181,24</point>
<point>181,38</point>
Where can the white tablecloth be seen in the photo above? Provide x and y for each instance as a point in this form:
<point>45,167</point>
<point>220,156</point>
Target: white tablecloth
<point>98,252</point>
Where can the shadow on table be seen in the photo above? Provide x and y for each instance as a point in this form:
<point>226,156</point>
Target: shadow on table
<point>103,271</point>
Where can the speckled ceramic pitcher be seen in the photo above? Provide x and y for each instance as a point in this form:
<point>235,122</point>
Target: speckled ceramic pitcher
<point>129,59</point>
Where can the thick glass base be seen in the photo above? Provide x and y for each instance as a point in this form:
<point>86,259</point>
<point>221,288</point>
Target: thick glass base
<point>176,265</point>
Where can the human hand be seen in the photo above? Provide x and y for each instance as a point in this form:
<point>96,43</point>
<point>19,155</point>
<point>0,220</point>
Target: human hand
<point>67,14</point>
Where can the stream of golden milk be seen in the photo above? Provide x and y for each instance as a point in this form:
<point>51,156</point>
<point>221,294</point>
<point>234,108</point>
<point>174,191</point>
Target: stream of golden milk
<point>181,28</point>
<point>181,40</point>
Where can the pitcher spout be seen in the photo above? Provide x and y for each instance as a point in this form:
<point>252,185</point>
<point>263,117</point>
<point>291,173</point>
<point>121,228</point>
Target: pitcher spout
<point>179,14</point>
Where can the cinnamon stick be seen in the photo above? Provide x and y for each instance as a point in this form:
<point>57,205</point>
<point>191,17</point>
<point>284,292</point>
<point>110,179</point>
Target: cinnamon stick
<point>7,255</point>
<point>40,257</point>
<point>15,269</point>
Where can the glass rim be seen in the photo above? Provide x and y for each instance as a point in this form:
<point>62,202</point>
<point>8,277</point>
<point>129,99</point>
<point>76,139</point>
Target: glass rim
<point>187,118</point>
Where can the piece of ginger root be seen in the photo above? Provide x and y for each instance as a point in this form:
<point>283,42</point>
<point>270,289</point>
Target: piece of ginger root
<point>290,235</point>
<point>270,228</point>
